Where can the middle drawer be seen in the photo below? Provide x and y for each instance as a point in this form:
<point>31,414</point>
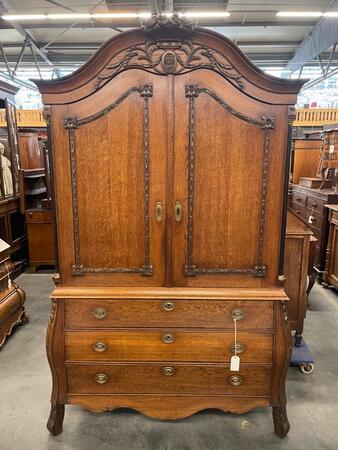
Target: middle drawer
<point>167,345</point>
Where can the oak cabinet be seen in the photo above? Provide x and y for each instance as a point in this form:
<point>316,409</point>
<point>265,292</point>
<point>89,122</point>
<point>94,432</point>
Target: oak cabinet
<point>159,142</point>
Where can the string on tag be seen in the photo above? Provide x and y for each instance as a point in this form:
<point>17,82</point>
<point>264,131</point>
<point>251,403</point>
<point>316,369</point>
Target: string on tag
<point>235,323</point>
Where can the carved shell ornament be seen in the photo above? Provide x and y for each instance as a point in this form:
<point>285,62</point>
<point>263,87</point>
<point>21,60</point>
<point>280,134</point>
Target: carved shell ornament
<point>168,53</point>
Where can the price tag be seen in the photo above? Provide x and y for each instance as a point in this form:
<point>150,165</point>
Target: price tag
<point>235,360</point>
<point>234,364</point>
<point>311,219</point>
<point>331,150</point>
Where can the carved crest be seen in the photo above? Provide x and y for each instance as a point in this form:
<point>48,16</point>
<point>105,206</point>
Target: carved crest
<point>158,23</point>
<point>166,58</point>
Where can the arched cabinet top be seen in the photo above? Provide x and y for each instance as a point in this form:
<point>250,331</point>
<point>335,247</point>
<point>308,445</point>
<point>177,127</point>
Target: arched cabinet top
<point>169,51</point>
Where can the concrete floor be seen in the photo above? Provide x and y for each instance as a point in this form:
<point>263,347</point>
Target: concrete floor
<point>26,382</point>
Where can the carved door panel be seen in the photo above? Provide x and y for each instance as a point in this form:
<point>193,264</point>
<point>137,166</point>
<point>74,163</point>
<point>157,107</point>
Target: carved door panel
<point>118,179</point>
<point>221,161</point>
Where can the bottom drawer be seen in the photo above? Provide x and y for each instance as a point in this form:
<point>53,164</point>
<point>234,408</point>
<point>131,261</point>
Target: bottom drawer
<point>168,379</point>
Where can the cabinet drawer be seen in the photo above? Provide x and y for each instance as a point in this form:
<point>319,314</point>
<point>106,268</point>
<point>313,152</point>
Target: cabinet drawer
<point>115,313</point>
<point>304,213</point>
<point>167,345</point>
<point>39,217</point>
<point>315,204</point>
<point>299,198</point>
<point>167,379</point>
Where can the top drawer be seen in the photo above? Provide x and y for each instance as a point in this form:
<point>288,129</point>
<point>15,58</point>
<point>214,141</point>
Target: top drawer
<point>120,313</point>
<point>299,198</point>
<point>314,204</point>
<point>39,217</point>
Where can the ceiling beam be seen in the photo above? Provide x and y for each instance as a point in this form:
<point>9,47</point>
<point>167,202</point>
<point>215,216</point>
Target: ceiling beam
<point>322,36</point>
<point>132,23</point>
<point>25,34</point>
<point>154,7</point>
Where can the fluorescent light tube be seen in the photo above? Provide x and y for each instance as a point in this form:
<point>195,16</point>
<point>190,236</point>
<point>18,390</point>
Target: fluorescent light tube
<point>69,16</point>
<point>205,14</point>
<point>331,14</point>
<point>299,14</point>
<point>24,16</point>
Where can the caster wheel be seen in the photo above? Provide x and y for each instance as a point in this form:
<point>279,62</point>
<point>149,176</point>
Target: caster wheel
<point>306,368</point>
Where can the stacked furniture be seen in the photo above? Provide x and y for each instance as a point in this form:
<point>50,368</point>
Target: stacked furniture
<point>159,142</point>
<point>330,277</point>
<point>12,298</point>
<point>306,202</point>
<point>12,222</point>
<point>297,267</point>
<point>306,156</point>
<point>35,200</point>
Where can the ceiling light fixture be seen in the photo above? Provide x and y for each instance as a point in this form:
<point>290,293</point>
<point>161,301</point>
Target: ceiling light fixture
<point>299,14</point>
<point>142,15</point>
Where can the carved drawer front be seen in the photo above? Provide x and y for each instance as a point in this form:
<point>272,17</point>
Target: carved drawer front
<point>120,313</point>
<point>299,198</point>
<point>168,378</point>
<point>167,345</point>
<point>315,204</point>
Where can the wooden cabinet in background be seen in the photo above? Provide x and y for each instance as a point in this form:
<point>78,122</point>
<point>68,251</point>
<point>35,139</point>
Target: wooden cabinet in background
<point>12,298</point>
<point>306,158</point>
<point>30,151</point>
<point>331,266</point>
<point>305,202</point>
<point>158,143</point>
<point>296,269</point>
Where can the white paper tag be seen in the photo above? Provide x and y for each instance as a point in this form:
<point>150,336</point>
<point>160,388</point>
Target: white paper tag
<point>311,219</point>
<point>234,364</point>
<point>331,150</point>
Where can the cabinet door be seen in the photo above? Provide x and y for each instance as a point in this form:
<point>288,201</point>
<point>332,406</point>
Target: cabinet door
<point>117,176</point>
<point>220,184</point>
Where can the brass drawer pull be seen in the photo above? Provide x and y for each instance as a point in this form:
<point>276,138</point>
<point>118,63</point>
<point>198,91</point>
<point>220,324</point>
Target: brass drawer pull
<point>240,348</point>
<point>235,380</point>
<point>101,378</point>
<point>168,371</point>
<point>159,211</point>
<point>100,313</point>
<point>99,347</point>
<point>168,305</point>
<point>168,338</point>
<point>178,211</point>
<point>237,314</point>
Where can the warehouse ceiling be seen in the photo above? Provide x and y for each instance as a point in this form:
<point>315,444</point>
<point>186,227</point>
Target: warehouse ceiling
<point>267,39</point>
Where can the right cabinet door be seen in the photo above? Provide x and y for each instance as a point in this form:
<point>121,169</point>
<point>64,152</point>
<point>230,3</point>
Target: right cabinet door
<point>221,164</point>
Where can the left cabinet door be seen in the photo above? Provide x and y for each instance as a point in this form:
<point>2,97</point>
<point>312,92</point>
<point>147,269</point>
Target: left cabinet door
<point>114,211</point>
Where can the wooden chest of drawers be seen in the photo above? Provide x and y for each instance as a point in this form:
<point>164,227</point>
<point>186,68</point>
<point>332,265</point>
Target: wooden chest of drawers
<point>305,202</point>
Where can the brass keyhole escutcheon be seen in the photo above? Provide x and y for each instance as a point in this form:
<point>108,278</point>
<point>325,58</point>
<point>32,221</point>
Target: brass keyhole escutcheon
<point>101,378</point>
<point>168,305</point>
<point>235,380</point>
<point>159,211</point>
<point>168,338</point>
<point>100,313</point>
<point>237,314</point>
<point>99,347</point>
<point>178,211</point>
<point>168,371</point>
<point>240,348</point>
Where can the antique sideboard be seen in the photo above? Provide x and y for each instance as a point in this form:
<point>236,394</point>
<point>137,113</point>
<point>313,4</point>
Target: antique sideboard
<point>159,142</point>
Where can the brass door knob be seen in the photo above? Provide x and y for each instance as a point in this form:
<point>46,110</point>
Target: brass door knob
<point>240,348</point>
<point>168,371</point>
<point>168,305</point>
<point>235,380</point>
<point>168,338</point>
<point>99,347</point>
<point>237,314</point>
<point>101,378</point>
<point>100,313</point>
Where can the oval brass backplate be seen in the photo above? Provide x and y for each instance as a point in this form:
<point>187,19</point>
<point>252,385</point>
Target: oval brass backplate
<point>240,348</point>
<point>237,314</point>
<point>168,305</point>
<point>235,380</point>
<point>99,347</point>
<point>168,338</point>
<point>168,371</point>
<point>100,313</point>
<point>159,211</point>
<point>101,378</point>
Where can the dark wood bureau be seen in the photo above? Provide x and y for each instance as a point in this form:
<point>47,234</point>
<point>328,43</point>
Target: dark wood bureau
<point>158,142</point>
<point>304,202</point>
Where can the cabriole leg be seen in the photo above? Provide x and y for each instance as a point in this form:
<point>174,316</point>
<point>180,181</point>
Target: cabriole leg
<point>280,421</point>
<point>55,420</point>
